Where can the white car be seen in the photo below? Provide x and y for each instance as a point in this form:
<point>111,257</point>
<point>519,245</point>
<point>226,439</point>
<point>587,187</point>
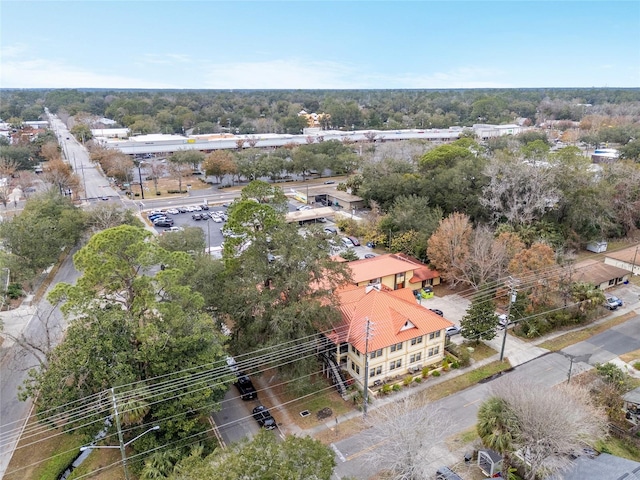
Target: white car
<point>197,208</point>
<point>173,211</point>
<point>216,219</point>
<point>174,229</point>
<point>190,208</point>
<point>304,207</point>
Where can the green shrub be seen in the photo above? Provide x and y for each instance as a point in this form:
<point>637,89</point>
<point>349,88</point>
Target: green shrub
<point>176,191</point>
<point>158,193</point>
<point>14,291</point>
<point>386,389</point>
<point>425,372</point>
<point>407,380</point>
<point>396,388</point>
<point>445,364</point>
<point>417,379</point>
<point>435,373</point>
<point>636,365</point>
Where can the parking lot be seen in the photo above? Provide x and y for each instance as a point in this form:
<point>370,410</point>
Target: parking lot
<point>212,218</point>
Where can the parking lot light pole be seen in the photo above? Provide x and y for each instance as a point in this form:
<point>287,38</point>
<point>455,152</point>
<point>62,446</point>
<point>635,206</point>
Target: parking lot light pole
<point>140,176</point>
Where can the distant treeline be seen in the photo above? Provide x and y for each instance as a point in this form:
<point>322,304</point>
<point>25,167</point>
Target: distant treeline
<point>264,111</point>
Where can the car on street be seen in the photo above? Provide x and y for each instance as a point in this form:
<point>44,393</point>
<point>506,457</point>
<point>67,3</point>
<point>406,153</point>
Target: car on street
<point>354,241</point>
<point>502,320</point>
<point>264,418</point>
<point>329,182</point>
<point>437,312</point>
<point>370,255</point>
<point>452,330</point>
<point>165,222</point>
<point>245,387</point>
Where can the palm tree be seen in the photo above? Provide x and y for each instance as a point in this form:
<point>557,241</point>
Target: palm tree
<point>497,428</point>
<point>587,295</point>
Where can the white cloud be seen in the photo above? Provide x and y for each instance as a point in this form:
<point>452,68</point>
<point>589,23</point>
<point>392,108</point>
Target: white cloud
<point>41,73</point>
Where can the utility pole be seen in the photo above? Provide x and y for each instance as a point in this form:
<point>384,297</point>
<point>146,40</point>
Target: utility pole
<point>512,299</point>
<point>633,265</point>
<point>120,437</point>
<point>365,397</point>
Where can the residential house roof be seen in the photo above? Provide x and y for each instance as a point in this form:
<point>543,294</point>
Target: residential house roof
<point>394,317</point>
<point>628,255</point>
<point>601,467</point>
<point>390,264</point>
<point>596,272</point>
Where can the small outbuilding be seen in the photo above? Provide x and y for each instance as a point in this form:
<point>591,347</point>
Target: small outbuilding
<point>490,462</point>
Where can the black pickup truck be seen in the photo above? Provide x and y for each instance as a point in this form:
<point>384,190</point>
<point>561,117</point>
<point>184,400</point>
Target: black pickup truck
<point>245,387</point>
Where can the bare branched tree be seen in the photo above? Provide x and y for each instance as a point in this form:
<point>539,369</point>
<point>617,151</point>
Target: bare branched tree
<point>519,192</point>
<point>410,430</point>
<point>35,344</point>
<point>548,425</point>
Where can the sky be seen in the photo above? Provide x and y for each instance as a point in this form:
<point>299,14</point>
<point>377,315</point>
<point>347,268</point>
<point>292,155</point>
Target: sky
<point>319,44</point>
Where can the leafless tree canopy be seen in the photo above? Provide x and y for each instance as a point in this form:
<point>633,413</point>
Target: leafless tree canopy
<point>550,423</point>
<point>519,192</point>
<point>408,431</point>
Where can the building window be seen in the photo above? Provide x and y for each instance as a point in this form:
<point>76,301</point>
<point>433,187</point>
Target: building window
<point>415,358</point>
<point>434,351</point>
<point>395,364</point>
<point>397,346</point>
<point>379,370</point>
<point>372,373</point>
<point>416,340</point>
<point>433,335</point>
<point>374,281</point>
<point>358,369</point>
<point>353,365</point>
<point>612,281</point>
<point>375,353</point>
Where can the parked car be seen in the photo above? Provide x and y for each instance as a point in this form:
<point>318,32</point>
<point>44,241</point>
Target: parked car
<point>331,230</point>
<point>166,222</point>
<point>612,303</point>
<point>205,206</point>
<point>445,473</point>
<point>369,255</point>
<point>245,387</point>
<point>302,208</point>
<point>174,229</point>
<point>502,320</point>
<point>347,242</point>
<point>182,210</point>
<point>437,312</point>
<point>452,330</point>
<point>355,241</point>
<point>216,218</point>
<point>264,418</point>
<point>197,216</point>
<point>173,211</point>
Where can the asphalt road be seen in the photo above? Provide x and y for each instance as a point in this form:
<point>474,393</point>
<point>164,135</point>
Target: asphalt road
<point>41,329</point>
<point>94,183</point>
<point>353,455</point>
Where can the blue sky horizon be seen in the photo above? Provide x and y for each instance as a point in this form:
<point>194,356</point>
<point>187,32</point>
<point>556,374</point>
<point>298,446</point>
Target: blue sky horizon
<point>246,45</point>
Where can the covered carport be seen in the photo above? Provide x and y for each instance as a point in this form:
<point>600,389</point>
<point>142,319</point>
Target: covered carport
<point>309,215</point>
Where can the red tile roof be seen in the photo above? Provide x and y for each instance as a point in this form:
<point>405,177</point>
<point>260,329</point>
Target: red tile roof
<point>394,317</point>
<point>390,264</point>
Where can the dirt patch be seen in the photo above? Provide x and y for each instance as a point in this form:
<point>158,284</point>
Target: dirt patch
<point>631,357</point>
<point>167,184</point>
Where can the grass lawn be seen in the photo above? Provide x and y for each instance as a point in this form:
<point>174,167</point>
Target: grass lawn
<point>44,456</point>
<point>457,384</point>
<point>619,447</point>
<point>571,338</point>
